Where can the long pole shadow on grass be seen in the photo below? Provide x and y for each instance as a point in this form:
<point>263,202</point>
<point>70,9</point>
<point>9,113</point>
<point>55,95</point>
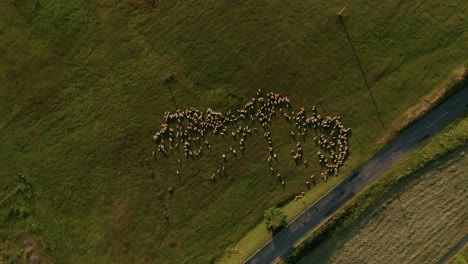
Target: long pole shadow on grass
<point>360,67</point>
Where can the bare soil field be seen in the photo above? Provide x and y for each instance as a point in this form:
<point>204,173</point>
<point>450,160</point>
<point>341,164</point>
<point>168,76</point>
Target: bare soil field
<point>419,221</point>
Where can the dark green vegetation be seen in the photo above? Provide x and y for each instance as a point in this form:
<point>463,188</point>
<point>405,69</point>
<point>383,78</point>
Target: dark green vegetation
<point>84,85</point>
<point>14,219</point>
<point>449,140</point>
<point>275,219</point>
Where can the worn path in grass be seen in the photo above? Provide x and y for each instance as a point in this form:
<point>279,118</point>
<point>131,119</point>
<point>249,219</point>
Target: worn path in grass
<point>395,151</point>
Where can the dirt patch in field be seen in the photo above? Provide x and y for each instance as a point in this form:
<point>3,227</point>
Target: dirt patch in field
<point>419,221</point>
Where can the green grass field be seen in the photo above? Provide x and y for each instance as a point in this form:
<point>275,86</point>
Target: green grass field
<point>82,91</point>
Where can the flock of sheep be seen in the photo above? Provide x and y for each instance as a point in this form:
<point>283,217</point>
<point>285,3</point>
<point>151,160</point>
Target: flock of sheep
<point>188,130</point>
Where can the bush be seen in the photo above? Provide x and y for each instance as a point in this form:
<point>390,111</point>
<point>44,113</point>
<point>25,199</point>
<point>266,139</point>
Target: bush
<point>275,219</point>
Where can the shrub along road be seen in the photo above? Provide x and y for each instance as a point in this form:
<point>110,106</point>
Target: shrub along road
<point>411,138</point>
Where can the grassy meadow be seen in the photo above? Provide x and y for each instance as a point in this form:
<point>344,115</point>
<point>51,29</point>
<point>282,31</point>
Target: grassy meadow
<point>84,86</point>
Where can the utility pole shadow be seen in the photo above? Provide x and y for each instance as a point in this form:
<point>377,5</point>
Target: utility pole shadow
<point>360,66</point>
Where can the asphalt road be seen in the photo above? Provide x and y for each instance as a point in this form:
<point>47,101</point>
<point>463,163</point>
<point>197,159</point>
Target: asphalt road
<point>391,154</point>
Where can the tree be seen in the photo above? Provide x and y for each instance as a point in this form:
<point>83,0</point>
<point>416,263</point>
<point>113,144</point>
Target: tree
<point>275,219</point>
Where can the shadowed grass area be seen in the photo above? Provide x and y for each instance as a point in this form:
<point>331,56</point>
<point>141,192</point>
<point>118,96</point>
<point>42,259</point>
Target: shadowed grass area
<point>84,86</point>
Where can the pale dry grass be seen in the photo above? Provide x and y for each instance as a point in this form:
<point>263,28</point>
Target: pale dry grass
<point>419,221</point>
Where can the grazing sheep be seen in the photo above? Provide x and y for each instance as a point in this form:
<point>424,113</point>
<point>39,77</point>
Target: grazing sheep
<point>187,126</point>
